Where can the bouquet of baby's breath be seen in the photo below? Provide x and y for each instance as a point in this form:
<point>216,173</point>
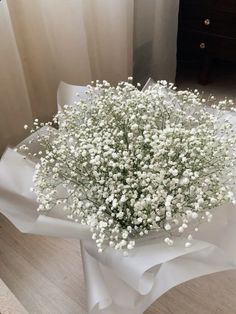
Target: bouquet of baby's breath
<point>127,162</point>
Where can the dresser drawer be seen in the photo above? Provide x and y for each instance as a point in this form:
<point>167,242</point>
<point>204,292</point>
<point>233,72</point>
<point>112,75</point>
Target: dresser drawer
<point>207,30</point>
<point>227,6</point>
<point>194,43</point>
<point>220,23</point>
<point>194,8</point>
<point>189,8</point>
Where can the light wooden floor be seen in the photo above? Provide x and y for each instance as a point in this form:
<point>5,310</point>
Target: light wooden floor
<point>9,303</point>
<point>46,276</point>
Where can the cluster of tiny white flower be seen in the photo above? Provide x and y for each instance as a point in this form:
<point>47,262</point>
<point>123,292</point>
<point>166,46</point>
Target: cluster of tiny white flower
<point>126,162</point>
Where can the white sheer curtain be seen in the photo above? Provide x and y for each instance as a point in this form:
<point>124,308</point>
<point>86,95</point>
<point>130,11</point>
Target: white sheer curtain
<point>155,39</point>
<point>45,41</point>
<point>15,109</point>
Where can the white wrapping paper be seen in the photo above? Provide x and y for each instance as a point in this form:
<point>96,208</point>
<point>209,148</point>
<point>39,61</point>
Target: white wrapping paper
<point>117,284</point>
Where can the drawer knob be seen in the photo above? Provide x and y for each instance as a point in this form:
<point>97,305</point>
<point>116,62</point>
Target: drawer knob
<point>207,22</point>
<point>202,45</point>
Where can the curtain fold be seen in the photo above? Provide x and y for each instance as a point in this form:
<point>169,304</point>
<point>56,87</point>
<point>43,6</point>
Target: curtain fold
<point>15,107</point>
<point>43,42</point>
<point>155,39</point>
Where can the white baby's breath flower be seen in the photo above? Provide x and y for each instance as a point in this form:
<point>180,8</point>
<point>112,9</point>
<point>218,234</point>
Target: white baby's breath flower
<point>127,162</point>
<point>188,244</point>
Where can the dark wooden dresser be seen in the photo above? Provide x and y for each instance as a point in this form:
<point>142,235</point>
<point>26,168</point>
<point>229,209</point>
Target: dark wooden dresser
<point>207,31</point>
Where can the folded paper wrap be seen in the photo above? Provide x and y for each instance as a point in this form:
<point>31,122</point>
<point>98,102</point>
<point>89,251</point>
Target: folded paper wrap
<point>117,284</point>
